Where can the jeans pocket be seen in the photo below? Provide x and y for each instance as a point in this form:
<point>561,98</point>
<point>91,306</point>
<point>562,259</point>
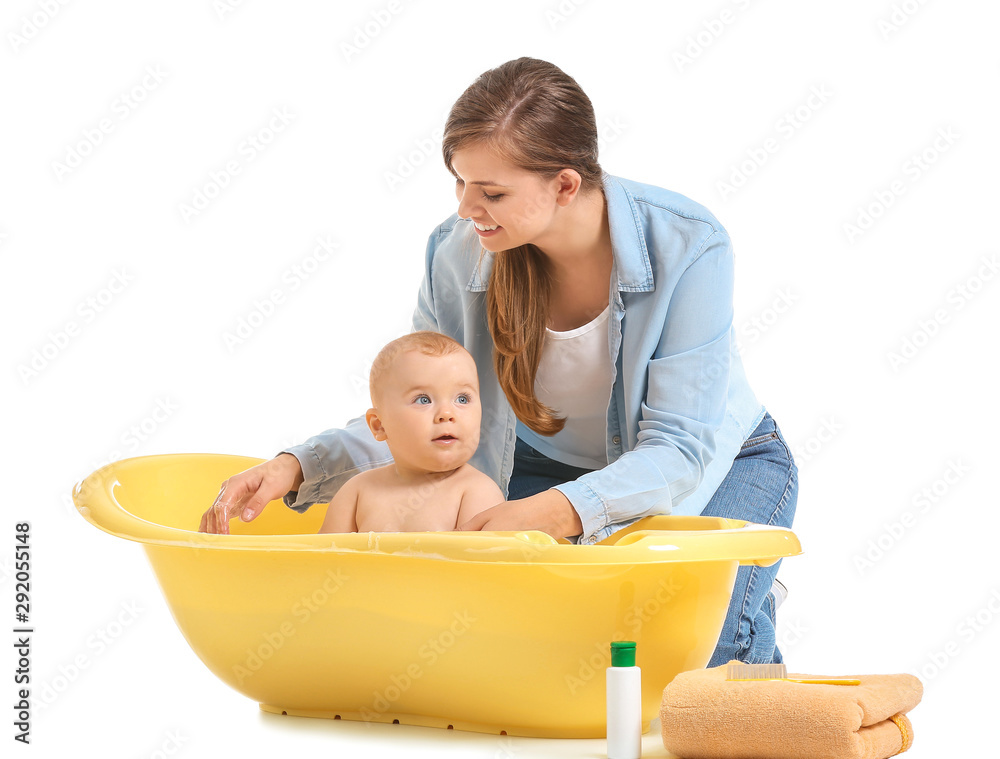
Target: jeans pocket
<point>524,451</point>
<point>751,442</point>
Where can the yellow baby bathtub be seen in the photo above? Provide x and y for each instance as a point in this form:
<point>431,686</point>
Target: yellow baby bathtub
<point>486,631</point>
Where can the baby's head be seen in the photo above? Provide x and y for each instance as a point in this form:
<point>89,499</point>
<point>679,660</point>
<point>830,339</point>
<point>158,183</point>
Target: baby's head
<point>425,402</point>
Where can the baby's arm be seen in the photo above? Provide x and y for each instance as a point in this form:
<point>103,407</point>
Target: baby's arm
<point>480,494</point>
<point>341,514</point>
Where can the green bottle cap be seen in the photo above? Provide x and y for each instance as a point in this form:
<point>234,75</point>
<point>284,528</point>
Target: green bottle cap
<point>623,653</point>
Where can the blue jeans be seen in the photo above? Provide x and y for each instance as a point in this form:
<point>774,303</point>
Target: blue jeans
<point>534,472</point>
<point>762,486</point>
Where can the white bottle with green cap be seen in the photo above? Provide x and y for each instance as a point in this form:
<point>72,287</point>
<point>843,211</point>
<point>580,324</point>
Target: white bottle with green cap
<point>624,703</point>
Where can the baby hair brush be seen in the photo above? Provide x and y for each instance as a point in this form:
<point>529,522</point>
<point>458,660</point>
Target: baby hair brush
<point>779,672</point>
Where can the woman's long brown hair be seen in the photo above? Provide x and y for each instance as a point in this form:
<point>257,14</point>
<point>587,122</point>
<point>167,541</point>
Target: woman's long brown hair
<point>538,118</point>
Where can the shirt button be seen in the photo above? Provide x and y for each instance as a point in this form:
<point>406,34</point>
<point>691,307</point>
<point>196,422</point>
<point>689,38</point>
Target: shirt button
<point>616,439</point>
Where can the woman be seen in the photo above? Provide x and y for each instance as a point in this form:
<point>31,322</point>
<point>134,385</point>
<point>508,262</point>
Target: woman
<point>599,312</point>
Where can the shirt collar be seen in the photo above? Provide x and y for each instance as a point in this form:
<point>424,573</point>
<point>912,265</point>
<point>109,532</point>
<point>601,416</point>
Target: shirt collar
<point>627,243</point>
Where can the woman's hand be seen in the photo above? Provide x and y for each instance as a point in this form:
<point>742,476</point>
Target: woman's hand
<point>549,511</point>
<point>247,493</point>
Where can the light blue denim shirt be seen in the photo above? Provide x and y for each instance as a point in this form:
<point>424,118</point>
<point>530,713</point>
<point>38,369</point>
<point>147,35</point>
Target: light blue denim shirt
<point>680,405</point>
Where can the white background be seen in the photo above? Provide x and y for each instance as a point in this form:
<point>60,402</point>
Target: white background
<point>820,311</point>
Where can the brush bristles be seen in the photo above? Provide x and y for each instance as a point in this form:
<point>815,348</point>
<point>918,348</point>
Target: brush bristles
<point>756,672</point>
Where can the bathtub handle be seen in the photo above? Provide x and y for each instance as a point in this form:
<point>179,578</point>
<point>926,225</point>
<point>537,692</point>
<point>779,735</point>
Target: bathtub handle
<point>96,500</point>
<point>770,544</point>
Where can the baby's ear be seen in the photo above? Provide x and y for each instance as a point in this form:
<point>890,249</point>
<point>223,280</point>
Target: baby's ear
<point>375,424</point>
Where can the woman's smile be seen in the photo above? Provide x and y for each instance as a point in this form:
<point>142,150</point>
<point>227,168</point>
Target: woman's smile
<point>486,231</point>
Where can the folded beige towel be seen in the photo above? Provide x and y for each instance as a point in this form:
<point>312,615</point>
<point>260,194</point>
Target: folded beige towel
<point>705,716</point>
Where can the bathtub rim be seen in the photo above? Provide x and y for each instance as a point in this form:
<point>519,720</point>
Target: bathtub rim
<point>655,539</point>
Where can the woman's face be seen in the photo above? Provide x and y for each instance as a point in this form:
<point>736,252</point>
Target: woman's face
<point>492,192</point>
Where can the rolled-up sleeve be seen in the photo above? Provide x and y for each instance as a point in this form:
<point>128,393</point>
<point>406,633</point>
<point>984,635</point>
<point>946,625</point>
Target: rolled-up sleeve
<point>685,403</point>
<point>331,458</point>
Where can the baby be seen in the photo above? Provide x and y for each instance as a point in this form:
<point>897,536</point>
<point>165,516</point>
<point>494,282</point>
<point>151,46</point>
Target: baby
<point>425,397</point>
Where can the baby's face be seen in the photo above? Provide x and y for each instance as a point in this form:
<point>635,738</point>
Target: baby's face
<point>430,411</point>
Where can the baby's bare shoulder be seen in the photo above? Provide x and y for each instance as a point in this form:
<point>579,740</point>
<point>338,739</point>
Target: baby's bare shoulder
<point>473,479</point>
<point>371,477</point>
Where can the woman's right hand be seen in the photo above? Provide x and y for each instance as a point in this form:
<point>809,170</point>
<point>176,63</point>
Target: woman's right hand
<point>247,493</point>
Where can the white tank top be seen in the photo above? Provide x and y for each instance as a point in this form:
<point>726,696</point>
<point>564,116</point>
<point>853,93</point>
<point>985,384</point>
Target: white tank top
<point>574,378</point>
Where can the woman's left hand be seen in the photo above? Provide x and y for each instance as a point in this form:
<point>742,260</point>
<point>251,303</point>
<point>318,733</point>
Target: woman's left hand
<point>549,511</point>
